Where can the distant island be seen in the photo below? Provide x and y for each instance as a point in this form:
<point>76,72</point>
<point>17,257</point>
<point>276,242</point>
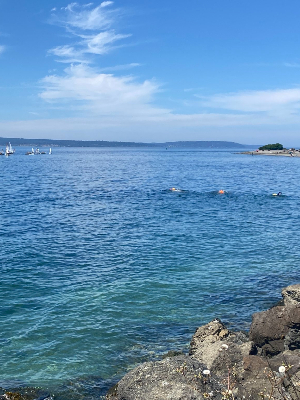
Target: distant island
<point>274,146</point>
<point>102,143</point>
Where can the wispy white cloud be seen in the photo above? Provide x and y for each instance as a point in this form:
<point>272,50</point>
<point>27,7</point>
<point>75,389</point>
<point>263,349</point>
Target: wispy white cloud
<point>91,29</point>
<point>271,101</point>
<point>68,54</point>
<point>2,49</point>
<point>102,42</point>
<point>85,88</point>
<point>105,3</point>
<point>86,18</point>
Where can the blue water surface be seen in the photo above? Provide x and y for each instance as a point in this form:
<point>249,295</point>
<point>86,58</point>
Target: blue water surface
<point>103,267</point>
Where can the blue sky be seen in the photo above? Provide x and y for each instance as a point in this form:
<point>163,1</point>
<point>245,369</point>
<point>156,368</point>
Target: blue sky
<point>151,70</point>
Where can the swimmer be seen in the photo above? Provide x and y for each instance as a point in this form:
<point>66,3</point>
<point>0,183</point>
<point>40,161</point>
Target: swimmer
<point>175,190</point>
<point>277,194</point>
<point>221,191</point>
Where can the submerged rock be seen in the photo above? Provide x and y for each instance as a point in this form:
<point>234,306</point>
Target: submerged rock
<point>24,394</point>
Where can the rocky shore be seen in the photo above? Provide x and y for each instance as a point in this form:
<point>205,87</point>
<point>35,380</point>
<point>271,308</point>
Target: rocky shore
<point>284,153</point>
<point>221,364</point>
<point>262,364</point>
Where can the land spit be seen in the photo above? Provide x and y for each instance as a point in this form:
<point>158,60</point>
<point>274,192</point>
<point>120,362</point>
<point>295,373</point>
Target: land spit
<point>284,152</point>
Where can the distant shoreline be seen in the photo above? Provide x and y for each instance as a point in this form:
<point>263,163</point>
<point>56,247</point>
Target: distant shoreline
<point>16,142</point>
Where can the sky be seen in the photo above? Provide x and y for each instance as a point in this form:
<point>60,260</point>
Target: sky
<point>151,71</point>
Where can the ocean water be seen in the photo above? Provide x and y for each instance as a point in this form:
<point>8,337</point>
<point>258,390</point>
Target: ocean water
<point>103,267</point>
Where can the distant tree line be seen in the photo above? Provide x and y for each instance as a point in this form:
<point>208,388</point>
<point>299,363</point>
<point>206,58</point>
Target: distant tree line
<point>275,146</point>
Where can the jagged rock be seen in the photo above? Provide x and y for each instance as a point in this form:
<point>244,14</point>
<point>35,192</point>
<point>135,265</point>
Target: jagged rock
<point>292,340</point>
<point>175,378</point>
<point>291,295</point>
<point>218,348</point>
<point>206,342</point>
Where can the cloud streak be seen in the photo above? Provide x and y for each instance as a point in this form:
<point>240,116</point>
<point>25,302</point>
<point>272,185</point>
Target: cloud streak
<point>91,29</point>
<point>270,101</point>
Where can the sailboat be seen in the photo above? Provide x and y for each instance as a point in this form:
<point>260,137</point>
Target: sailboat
<point>30,153</point>
<point>50,151</point>
<point>9,150</point>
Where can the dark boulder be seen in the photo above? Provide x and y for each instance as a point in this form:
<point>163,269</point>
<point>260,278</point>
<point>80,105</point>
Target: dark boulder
<point>278,328</point>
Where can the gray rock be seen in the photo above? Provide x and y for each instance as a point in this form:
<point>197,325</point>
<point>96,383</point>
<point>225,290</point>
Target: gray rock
<point>206,342</point>
<point>218,348</point>
<point>292,340</point>
<point>175,378</point>
<point>291,295</point>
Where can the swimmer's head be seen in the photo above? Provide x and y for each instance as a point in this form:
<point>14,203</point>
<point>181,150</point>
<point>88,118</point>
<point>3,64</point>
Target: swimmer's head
<point>221,191</point>
<point>173,189</point>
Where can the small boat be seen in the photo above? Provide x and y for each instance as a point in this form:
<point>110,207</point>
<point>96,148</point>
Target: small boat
<point>30,153</point>
<point>50,151</point>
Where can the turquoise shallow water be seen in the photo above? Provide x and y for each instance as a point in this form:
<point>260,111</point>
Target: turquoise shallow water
<point>103,267</point>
